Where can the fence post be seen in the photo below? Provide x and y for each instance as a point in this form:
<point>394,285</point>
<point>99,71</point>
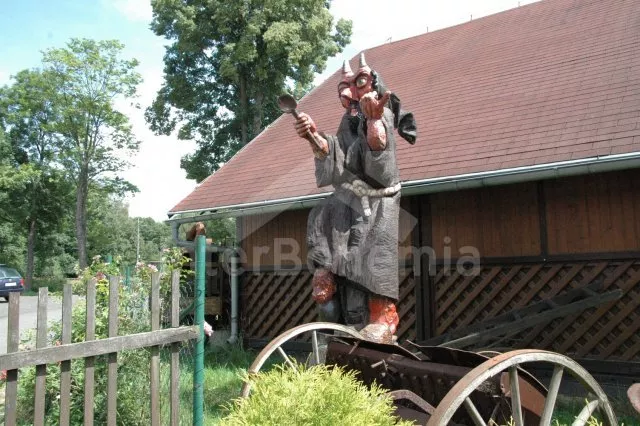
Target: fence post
<point>127,276</point>
<point>198,367</point>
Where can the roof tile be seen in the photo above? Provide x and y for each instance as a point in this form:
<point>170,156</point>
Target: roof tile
<point>551,81</point>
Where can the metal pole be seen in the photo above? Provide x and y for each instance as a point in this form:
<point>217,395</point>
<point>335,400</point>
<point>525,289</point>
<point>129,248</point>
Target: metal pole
<point>127,276</point>
<point>234,299</point>
<point>138,243</point>
<point>198,367</point>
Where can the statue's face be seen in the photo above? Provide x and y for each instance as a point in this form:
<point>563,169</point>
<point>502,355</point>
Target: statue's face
<point>353,87</point>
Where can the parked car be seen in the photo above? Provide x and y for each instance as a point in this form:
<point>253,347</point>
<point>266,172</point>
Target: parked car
<point>10,280</point>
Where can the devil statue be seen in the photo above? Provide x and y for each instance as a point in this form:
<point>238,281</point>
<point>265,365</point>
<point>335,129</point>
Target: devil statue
<point>352,235</point>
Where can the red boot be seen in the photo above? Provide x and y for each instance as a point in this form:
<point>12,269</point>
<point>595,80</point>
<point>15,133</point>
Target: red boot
<point>383,311</point>
<point>383,320</point>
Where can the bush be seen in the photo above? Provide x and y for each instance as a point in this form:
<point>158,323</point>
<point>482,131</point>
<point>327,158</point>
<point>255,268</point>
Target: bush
<point>53,283</point>
<point>133,366</point>
<point>320,395</point>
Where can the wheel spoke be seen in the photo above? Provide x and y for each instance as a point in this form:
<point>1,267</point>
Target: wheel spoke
<point>314,344</point>
<point>286,358</point>
<point>473,412</point>
<point>586,413</point>
<point>552,395</point>
<point>516,406</point>
<point>530,394</point>
<point>272,346</point>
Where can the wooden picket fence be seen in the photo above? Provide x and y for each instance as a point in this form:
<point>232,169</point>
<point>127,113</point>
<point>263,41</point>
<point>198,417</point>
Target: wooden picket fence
<point>89,349</point>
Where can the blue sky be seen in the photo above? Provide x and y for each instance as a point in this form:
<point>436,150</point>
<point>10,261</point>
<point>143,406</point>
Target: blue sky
<point>29,26</point>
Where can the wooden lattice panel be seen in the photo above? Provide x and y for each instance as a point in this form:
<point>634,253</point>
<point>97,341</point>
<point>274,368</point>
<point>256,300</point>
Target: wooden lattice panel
<point>275,301</point>
<point>610,331</point>
<point>407,306</point>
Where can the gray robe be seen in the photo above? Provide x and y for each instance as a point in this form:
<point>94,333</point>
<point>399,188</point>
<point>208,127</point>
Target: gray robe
<point>364,250</point>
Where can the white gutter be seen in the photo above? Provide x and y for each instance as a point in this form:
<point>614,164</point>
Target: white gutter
<point>424,186</point>
<point>559,169</point>
<point>236,210</point>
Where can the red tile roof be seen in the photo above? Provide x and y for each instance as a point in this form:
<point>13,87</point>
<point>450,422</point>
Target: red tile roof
<point>551,81</point>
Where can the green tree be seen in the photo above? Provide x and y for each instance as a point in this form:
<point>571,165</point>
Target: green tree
<point>228,63</point>
<point>154,237</point>
<point>12,179</point>
<point>112,231</point>
<point>30,115</point>
<point>90,78</point>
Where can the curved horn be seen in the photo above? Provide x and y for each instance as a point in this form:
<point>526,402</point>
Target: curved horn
<point>346,68</point>
<point>363,62</point>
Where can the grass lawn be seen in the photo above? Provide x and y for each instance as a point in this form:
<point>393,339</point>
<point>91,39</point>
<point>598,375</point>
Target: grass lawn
<point>224,366</point>
<point>222,377</point>
<point>566,411</point>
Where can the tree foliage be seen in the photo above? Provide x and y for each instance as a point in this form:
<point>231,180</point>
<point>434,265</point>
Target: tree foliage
<point>227,64</point>
<point>63,142</point>
<point>112,231</point>
<point>89,78</point>
<point>30,114</point>
<point>12,179</point>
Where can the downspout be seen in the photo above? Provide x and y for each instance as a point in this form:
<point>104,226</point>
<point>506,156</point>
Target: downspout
<point>233,339</point>
<point>233,272</point>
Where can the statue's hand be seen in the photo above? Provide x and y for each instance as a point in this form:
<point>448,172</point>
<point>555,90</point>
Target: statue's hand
<point>306,129</point>
<point>372,107</point>
<point>305,125</point>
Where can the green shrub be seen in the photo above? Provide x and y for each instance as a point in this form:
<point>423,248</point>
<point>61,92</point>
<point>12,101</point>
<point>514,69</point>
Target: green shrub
<point>319,395</point>
<point>133,366</point>
<point>55,284</point>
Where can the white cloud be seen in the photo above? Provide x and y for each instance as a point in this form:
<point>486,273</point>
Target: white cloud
<point>4,77</point>
<point>156,167</point>
<point>134,10</point>
<point>382,21</point>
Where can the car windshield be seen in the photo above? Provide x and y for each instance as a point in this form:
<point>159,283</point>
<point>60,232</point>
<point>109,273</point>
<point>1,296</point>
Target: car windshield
<point>8,273</point>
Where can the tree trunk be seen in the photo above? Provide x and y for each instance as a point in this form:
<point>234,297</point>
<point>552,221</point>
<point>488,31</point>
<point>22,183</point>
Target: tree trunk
<point>257,114</point>
<point>81,215</point>
<point>31,246</point>
<point>244,111</point>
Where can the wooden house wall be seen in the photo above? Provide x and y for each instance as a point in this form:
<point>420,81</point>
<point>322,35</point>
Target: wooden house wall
<point>610,331</point>
<point>499,221</point>
<point>594,213</point>
<point>536,240</point>
<point>539,240</point>
<point>260,233</point>
<point>589,214</point>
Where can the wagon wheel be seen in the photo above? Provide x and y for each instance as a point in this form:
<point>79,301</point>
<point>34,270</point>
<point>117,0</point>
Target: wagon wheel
<point>509,364</point>
<point>314,328</point>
